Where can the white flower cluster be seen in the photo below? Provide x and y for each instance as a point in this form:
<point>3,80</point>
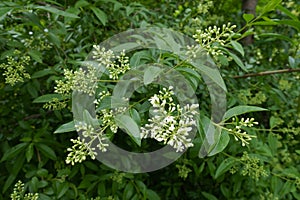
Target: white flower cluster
<point>170,124</point>
<point>107,58</point>
<point>82,147</point>
<point>15,69</point>
<point>239,134</point>
<point>80,80</point>
<point>214,35</point>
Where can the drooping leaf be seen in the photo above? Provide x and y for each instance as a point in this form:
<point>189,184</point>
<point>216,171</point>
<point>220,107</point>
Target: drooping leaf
<point>47,97</point>
<point>4,11</point>
<point>238,61</point>
<point>271,5</point>
<point>14,151</point>
<point>131,128</point>
<point>238,110</point>
<point>46,151</point>
<point>42,73</point>
<point>100,15</point>
<point>238,47</point>
<point>292,23</point>
<point>56,11</point>
<point>67,127</point>
<point>276,36</point>
<point>287,12</point>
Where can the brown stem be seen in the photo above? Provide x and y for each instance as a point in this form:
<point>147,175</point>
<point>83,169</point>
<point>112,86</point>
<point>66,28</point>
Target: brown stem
<point>268,73</point>
<point>249,6</point>
<point>35,116</point>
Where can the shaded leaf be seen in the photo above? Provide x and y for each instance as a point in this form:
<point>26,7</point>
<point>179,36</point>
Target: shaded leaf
<point>46,151</point>
<point>14,151</point>
<point>151,73</point>
<point>100,15</point>
<point>131,128</point>
<point>224,167</point>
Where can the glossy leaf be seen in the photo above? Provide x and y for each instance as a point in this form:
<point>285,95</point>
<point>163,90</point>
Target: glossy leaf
<point>238,110</point>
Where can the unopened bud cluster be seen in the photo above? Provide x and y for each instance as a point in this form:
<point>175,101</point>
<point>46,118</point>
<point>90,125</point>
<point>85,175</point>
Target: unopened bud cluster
<point>239,133</point>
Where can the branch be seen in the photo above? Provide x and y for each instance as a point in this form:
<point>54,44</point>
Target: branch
<point>35,116</point>
<point>268,73</point>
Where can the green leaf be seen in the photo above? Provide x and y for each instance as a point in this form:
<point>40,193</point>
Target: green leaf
<point>209,196</point>
<point>46,151</point>
<point>47,97</point>
<point>4,11</point>
<point>265,23</point>
<point>270,6</point>
<point>221,144</point>
<point>131,128</point>
<point>238,47</point>
<point>129,46</point>
<point>53,38</point>
<point>238,110</point>
<point>81,3</point>
<point>275,36</point>
<point>128,191</point>
<point>224,167</point>
<point>100,15</point>
<point>189,71</point>
<point>67,127</point>
<point>56,11</point>
<point>62,188</point>
<point>11,178</point>
<point>14,151</point>
<point>238,61</point>
<point>151,73</point>
<point>152,195</point>
<point>42,73</point>
<point>293,23</point>
<point>36,55</point>
<point>17,166</point>
<point>248,17</point>
<point>212,73</point>
<point>287,12</point>
<point>29,152</point>
<point>135,116</point>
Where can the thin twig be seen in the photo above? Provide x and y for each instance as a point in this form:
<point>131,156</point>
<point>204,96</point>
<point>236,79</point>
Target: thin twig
<point>268,73</point>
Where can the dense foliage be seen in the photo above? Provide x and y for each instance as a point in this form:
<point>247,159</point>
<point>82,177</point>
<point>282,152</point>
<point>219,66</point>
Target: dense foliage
<point>42,46</point>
